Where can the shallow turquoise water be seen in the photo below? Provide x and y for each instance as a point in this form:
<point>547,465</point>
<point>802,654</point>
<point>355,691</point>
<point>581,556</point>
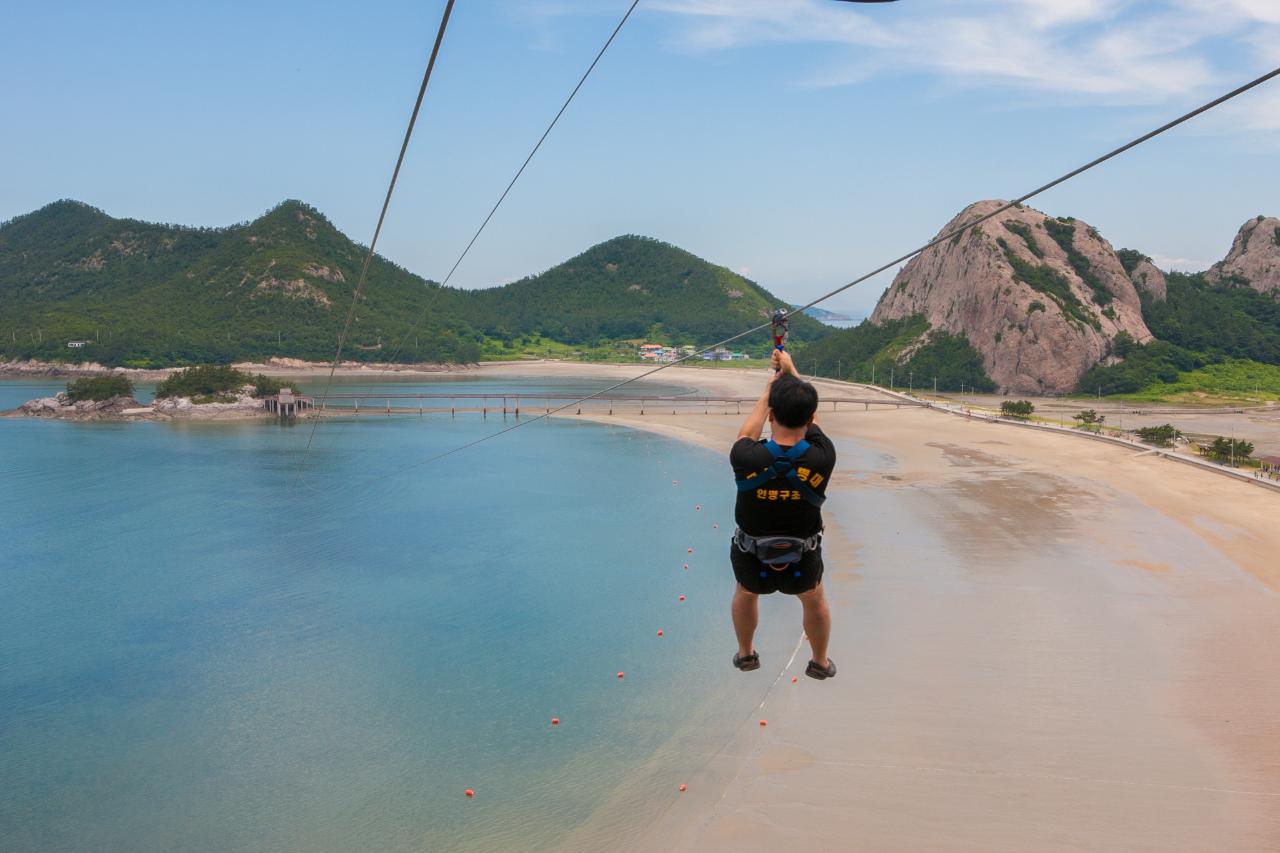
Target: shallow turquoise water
<point>199,651</point>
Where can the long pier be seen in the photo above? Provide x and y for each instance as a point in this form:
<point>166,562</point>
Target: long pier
<point>536,404</point>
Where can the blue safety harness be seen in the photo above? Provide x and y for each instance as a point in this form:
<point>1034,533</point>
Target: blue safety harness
<point>784,467</point>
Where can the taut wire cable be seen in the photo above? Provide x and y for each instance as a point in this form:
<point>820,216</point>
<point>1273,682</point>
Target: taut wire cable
<point>1115,152</point>
<point>386,202</point>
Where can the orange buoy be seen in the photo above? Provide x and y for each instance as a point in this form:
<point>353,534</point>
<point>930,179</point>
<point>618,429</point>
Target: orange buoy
<point>470,793</point>
<point>659,632</point>
<point>555,721</point>
<point>690,550</point>
<point>764,723</point>
<point>715,526</point>
<point>698,508</point>
<point>675,482</point>
<point>686,567</point>
<point>682,598</point>
<point>794,679</point>
<point>683,787</point>
<point>620,675</point>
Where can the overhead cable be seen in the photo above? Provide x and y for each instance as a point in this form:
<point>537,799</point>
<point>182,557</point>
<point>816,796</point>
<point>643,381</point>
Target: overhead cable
<point>883,267</point>
<point>512,183</point>
<point>386,202</point>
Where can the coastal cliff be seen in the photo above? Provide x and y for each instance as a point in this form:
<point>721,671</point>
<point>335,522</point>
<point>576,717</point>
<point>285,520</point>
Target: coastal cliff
<point>1254,259</point>
<point>1041,299</point>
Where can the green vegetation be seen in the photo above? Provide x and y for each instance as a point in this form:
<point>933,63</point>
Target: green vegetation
<point>99,388</point>
<point>871,349</point>
<point>1130,258</point>
<point>1216,343</point>
<point>1230,450</point>
<point>267,386</point>
<point>1160,436</point>
<point>1063,233</point>
<point>1017,409</point>
<point>1225,382</point>
<point>1089,419</point>
<point>1218,321</point>
<point>1045,279</point>
<point>152,295</point>
<point>218,383</point>
<point>627,288</point>
<point>1021,229</point>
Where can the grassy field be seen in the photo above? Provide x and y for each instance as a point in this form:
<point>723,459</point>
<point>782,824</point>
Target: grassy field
<point>1233,382</point>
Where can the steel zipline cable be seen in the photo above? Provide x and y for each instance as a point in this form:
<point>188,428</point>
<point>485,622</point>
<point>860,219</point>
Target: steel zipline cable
<point>1203,108</point>
<point>386,202</point>
<point>476,236</point>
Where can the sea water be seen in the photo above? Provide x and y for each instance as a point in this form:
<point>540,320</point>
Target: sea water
<point>208,644</point>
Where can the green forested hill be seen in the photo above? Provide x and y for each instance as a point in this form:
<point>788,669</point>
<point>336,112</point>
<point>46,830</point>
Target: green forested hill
<point>628,287</point>
<point>166,294</point>
<point>1200,324</point>
<point>152,294</point>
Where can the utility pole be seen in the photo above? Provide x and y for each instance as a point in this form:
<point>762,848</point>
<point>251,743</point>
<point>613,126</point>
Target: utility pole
<point>911,383</point>
<point>873,373</point>
<point>838,363</point>
<point>935,386</point>
<point>891,378</point>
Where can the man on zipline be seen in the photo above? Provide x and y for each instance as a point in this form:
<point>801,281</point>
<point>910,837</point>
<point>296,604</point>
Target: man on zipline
<point>781,486</point>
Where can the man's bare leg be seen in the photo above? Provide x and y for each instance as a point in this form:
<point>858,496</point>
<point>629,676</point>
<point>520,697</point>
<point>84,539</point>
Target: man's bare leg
<point>746,615</point>
<point>817,622</point>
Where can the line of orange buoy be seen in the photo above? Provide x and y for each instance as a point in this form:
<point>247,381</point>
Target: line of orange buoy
<point>555,721</point>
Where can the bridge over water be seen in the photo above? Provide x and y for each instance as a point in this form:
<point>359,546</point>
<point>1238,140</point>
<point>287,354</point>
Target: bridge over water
<point>523,403</point>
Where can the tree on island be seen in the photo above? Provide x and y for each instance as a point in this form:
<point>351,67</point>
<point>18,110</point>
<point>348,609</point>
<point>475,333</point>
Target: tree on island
<point>1017,409</point>
<point>99,388</point>
<point>218,383</point>
<point>1160,436</point>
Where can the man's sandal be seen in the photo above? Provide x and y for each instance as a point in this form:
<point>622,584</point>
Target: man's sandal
<point>746,663</point>
<point>815,671</point>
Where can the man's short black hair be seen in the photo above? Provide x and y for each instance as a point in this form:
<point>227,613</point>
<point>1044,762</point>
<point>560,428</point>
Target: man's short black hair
<point>793,401</point>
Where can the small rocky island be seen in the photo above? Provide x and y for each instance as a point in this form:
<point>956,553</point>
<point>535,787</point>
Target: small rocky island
<point>210,392</point>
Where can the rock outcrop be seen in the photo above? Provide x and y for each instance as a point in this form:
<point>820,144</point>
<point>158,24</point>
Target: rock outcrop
<point>63,407</point>
<point>244,406</point>
<point>1148,279</point>
<point>1040,299</point>
<point>1254,258</point>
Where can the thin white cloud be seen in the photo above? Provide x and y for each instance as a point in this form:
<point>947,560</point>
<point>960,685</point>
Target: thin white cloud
<point>1181,264</point>
<point>1117,51</point>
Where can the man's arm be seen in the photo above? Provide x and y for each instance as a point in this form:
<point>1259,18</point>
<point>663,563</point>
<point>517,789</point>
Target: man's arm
<point>753,426</point>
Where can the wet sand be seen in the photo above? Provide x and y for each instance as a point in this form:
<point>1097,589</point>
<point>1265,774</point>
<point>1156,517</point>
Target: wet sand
<point>1045,643</point>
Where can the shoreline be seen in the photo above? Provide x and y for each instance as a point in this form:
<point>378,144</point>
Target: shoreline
<point>1070,646</point>
<point>1152,753</point>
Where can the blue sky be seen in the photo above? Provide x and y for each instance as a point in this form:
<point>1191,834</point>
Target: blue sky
<point>801,142</point>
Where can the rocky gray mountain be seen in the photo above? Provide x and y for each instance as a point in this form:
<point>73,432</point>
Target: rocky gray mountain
<point>1150,280</point>
<point>1254,258</point>
<point>1041,299</point>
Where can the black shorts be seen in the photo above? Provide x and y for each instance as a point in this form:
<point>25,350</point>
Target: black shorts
<point>757,577</point>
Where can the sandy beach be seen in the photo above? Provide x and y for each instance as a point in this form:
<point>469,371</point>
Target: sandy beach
<point>1070,647</point>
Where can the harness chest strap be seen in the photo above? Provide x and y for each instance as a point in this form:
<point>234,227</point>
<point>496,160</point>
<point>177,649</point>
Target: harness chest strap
<point>784,466</point>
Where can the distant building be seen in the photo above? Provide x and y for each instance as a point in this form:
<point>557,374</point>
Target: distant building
<point>77,344</point>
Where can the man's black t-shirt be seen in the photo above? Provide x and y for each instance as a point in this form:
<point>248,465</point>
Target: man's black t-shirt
<point>773,509</point>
